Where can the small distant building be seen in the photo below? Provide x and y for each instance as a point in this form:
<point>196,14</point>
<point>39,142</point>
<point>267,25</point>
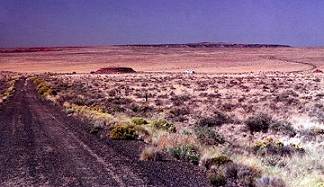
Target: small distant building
<point>189,71</point>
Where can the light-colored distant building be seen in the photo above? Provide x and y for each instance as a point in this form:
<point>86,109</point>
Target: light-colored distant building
<point>189,71</point>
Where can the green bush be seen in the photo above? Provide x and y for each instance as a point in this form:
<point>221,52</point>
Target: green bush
<point>208,136</point>
<point>164,125</point>
<point>186,153</point>
<point>123,132</point>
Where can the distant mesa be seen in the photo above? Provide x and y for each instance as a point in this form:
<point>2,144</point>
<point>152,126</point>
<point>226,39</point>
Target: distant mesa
<point>36,49</point>
<point>114,70</point>
<point>208,45</point>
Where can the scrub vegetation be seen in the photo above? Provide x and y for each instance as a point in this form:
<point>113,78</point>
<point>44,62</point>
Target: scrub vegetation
<point>260,129</point>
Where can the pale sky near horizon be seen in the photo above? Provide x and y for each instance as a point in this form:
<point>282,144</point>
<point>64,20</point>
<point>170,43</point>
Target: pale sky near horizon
<point>27,23</point>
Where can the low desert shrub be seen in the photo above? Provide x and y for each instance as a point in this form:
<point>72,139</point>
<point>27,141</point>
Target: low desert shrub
<point>143,133</point>
<point>95,129</point>
<point>217,119</point>
<point>9,89</point>
<point>186,132</point>
<point>266,181</point>
<point>43,88</point>
<point>216,179</point>
<point>232,174</point>
<point>142,109</point>
<point>94,115</point>
<point>283,127</point>
<point>274,160</point>
<point>215,161</point>
<point>79,101</point>
<point>311,133</point>
<point>258,123</point>
<point>320,184</point>
<point>271,147</point>
<point>163,125</point>
<point>178,113</point>
<point>123,132</point>
<point>179,99</point>
<point>209,136</point>
<point>139,121</point>
<point>187,153</point>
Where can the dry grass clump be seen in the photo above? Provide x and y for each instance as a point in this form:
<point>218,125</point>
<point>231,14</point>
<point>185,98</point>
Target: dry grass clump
<point>164,139</point>
<point>151,154</point>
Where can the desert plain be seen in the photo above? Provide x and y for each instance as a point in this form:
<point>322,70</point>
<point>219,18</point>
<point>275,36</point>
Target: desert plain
<point>164,59</point>
<point>245,117</point>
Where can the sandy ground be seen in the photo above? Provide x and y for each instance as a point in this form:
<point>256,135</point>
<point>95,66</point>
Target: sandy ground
<point>202,60</point>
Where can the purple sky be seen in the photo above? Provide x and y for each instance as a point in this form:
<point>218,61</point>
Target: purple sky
<point>103,22</point>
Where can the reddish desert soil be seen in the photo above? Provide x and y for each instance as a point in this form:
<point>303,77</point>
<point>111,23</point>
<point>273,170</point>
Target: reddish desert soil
<point>164,59</point>
<point>41,146</point>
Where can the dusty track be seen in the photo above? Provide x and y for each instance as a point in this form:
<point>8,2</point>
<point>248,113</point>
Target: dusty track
<point>310,65</point>
<point>41,146</point>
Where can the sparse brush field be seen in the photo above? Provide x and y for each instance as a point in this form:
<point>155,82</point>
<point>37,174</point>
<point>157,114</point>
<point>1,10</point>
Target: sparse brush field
<point>7,81</point>
<point>263,129</point>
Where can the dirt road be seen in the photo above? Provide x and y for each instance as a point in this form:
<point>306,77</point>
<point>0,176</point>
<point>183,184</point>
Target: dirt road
<point>309,65</point>
<point>41,146</point>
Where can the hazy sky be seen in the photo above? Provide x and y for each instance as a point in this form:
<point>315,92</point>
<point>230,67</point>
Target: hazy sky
<point>102,22</point>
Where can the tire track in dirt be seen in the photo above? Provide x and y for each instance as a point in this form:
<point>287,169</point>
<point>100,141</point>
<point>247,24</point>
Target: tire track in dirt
<point>310,65</point>
<point>41,146</point>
